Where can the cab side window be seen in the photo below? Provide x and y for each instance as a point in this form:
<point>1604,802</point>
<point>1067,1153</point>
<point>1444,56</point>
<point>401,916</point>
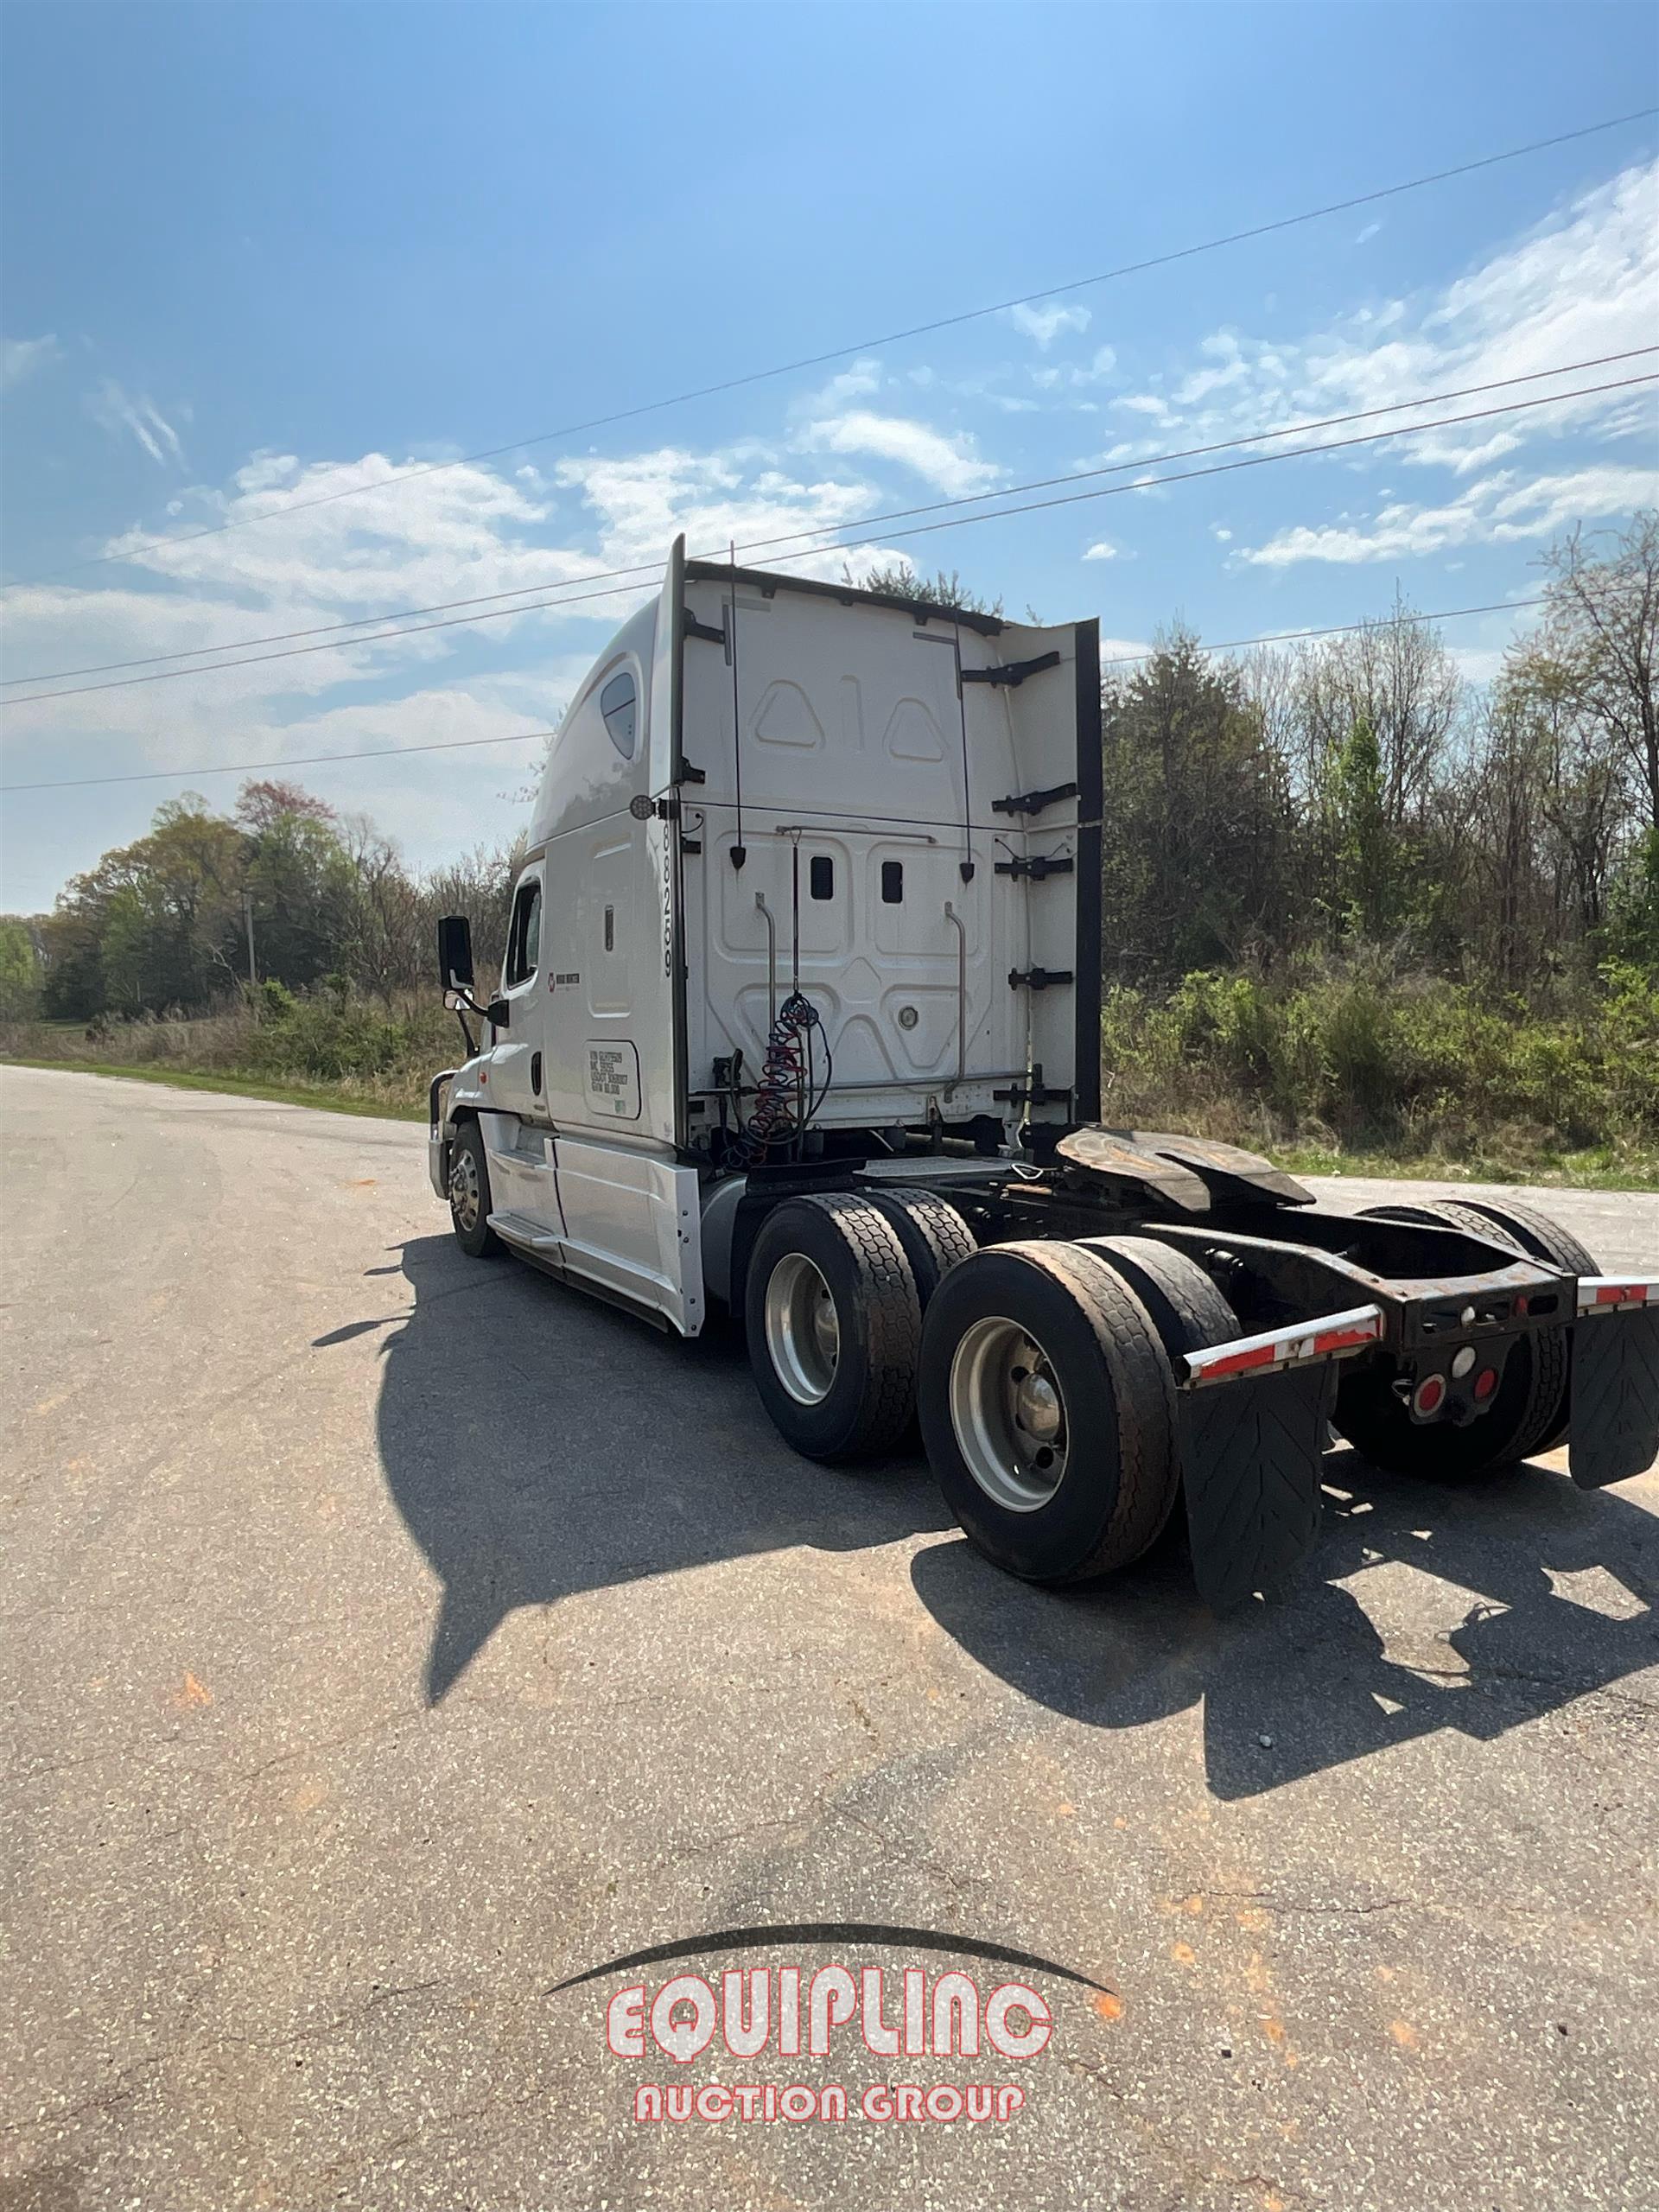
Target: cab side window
<point>525,934</point>
<point>620,704</point>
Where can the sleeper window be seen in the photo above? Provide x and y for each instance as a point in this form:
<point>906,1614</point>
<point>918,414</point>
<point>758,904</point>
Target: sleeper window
<point>892,883</point>
<point>524,936</point>
<point>619,703</point>
<point>824,876</point>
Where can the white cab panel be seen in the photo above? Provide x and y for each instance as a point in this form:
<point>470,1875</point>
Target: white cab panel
<point>631,1222</point>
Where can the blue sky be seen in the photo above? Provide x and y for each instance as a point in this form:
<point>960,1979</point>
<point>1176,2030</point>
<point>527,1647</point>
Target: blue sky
<point>256,254</point>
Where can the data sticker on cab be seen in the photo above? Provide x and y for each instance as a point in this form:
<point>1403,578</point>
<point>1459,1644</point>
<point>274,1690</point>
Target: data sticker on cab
<point>613,1080</point>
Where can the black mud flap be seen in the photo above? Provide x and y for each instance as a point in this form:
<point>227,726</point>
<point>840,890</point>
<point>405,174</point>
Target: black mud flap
<point>1614,1430</point>
<point>1250,1455</point>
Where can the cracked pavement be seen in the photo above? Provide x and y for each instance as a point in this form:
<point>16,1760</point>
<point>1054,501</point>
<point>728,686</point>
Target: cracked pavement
<point>389,1636</point>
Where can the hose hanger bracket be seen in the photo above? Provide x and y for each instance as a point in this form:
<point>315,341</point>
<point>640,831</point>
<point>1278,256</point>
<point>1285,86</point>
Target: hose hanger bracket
<point>1043,865</point>
<point>1032,802</point>
<point>1013,672</point>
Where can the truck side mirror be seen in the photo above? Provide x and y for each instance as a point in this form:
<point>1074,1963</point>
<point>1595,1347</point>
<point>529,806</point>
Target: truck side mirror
<point>498,1013</point>
<point>456,953</point>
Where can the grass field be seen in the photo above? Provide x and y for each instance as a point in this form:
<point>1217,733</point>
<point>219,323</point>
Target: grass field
<point>1329,1073</point>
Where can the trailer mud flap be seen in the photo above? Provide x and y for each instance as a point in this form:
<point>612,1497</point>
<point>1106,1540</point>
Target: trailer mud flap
<point>1251,1456</point>
<point>1614,1430</point>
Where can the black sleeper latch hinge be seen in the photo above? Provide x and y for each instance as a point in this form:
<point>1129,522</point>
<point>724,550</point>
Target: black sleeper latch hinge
<point>1042,866</point>
<point>1032,802</point>
<point>1039,979</point>
<point>1016,672</point>
<point>696,629</point>
<point>1035,1093</point>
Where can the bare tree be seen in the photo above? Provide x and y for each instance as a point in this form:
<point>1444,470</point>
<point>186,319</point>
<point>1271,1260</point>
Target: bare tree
<point>1603,630</point>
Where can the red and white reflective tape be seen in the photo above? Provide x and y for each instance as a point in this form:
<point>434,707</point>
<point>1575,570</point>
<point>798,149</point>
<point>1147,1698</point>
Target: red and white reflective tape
<point>1328,1338</point>
<point>1607,1293</point>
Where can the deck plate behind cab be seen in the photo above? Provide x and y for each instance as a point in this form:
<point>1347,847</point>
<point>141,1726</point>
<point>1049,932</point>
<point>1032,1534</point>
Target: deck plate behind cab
<point>1188,1172</point>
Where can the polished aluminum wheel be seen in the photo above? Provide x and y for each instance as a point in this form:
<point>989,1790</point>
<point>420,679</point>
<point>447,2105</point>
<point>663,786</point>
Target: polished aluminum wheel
<point>1008,1416</point>
<point>464,1192</point>
<point>802,1329</point>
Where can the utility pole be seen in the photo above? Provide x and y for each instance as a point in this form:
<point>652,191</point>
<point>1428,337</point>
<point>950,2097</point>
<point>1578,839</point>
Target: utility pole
<point>247,916</point>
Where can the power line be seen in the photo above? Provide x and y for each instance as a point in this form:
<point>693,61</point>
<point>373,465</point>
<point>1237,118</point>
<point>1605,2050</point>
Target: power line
<point>1338,629</point>
<point>650,569</point>
<point>924,530</point>
<point>525,737</point>
<point>300,761</point>
<point>842,352</point>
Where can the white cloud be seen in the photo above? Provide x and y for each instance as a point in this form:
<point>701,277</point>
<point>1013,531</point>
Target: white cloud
<point>1365,236</point>
<point>857,381</point>
<point>25,357</point>
<point>1222,536</point>
<point>1500,510</point>
<point>948,463</point>
<point>454,533</point>
<point>1577,287</point>
<point>1045,324</point>
<point>117,409</point>
<point>1102,549</point>
<point>1070,375</point>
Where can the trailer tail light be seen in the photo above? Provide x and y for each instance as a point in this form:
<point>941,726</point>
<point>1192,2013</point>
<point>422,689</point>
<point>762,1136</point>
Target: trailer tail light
<point>1486,1383</point>
<point>1429,1396</point>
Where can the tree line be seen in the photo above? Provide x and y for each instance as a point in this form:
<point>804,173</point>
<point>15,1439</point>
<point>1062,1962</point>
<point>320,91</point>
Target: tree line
<point>1264,811</point>
<point>1297,803</point>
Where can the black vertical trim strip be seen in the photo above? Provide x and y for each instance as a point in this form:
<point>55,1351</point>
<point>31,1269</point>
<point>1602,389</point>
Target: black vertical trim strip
<point>679,1010</point>
<point>1085,1075</point>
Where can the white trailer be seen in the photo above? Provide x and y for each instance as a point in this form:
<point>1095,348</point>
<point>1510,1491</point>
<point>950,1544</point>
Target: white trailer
<point>800,1015</point>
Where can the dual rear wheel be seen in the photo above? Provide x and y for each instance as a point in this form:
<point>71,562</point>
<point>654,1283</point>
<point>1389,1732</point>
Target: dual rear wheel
<point>1529,1411</point>
<point>1041,1373</point>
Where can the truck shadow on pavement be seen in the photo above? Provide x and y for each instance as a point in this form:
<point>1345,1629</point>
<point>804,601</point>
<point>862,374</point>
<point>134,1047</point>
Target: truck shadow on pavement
<point>537,1444</point>
<point>1550,1599</point>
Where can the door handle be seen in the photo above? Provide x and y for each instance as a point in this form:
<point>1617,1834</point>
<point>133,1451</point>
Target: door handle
<point>535,1073</point>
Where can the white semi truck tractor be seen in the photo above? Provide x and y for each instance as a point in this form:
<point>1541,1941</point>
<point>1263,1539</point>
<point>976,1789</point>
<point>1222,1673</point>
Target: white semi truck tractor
<point>799,1017</point>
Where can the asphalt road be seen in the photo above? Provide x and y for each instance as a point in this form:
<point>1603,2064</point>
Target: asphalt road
<point>389,1637</point>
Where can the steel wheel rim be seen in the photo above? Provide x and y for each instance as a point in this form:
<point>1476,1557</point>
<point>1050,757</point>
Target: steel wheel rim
<point>802,1329</point>
<point>1008,1414</point>
<point>464,1193</point>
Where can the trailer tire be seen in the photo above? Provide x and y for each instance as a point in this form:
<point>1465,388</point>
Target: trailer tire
<point>839,1385</point>
<point>469,1194</point>
<point>934,1235</point>
<point>1537,1237</point>
<point>1100,1378</point>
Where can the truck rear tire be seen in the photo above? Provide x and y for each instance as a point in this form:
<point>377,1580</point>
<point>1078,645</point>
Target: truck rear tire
<point>834,1326</point>
<point>469,1194</point>
<point>1190,1314</point>
<point>934,1235</point>
<point>1048,1411</point>
<point>1188,1311</point>
<point>1536,1238</point>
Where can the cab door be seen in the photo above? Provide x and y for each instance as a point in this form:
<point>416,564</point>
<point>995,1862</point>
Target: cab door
<point>517,1079</point>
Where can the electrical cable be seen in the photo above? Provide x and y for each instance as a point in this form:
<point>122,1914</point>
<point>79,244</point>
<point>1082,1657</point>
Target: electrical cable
<point>527,736</point>
<point>650,571</point>
<point>890,337</point>
<point>990,514</point>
